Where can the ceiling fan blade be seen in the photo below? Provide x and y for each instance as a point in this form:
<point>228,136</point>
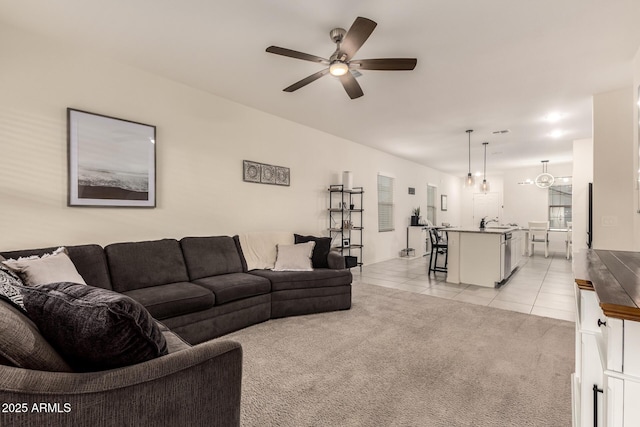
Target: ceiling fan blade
<point>385,64</point>
<point>351,86</point>
<point>312,78</point>
<point>295,54</point>
<point>359,32</point>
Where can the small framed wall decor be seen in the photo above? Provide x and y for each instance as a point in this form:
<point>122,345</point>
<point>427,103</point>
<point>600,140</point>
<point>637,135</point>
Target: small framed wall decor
<point>346,243</point>
<point>443,202</point>
<point>263,173</point>
<point>112,162</point>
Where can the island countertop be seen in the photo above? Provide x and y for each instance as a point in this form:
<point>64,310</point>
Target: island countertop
<point>487,230</point>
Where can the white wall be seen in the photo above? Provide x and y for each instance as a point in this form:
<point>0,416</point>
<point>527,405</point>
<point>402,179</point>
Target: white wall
<point>613,170</point>
<point>201,142</point>
<point>471,217</point>
<point>636,150</point>
<point>582,176</point>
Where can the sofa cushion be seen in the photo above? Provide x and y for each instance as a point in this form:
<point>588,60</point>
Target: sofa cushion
<point>48,268</point>
<point>136,265</point>
<point>174,342</point>
<point>235,286</point>
<point>210,256</point>
<point>320,251</point>
<point>94,329</point>
<point>324,277</point>
<point>294,257</point>
<point>23,346</point>
<point>89,260</point>
<point>174,299</point>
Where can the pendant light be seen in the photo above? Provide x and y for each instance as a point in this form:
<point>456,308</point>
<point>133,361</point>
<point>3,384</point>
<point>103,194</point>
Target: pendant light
<point>545,179</point>
<point>469,181</point>
<point>484,187</point>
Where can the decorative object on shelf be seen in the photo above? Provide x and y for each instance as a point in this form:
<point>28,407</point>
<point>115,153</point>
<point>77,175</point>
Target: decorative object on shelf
<point>350,261</point>
<point>443,202</point>
<point>347,180</point>
<point>346,242</point>
<point>469,180</point>
<point>544,180</point>
<point>112,162</point>
<point>347,224</point>
<point>415,218</point>
<point>263,173</point>
<point>484,187</point>
<point>352,206</point>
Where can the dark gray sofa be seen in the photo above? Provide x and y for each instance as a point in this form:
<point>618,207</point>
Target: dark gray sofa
<point>199,385</point>
<point>199,287</point>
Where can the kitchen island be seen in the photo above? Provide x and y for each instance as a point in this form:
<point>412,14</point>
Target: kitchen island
<point>483,257</point>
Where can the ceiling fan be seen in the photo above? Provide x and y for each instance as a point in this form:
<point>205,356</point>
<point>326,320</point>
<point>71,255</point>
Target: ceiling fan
<point>341,63</point>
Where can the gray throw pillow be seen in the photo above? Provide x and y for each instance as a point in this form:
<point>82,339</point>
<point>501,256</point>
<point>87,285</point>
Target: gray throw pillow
<point>94,329</point>
<point>23,346</point>
<point>10,285</point>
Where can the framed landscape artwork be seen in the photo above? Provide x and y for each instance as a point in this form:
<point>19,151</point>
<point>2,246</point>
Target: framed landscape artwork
<point>112,162</point>
<point>443,202</point>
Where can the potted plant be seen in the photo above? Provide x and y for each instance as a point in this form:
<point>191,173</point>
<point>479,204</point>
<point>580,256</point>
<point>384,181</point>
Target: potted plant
<point>415,218</point>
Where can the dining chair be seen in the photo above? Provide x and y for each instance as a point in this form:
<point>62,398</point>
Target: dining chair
<point>539,233</point>
<point>569,241</point>
<point>439,245</point>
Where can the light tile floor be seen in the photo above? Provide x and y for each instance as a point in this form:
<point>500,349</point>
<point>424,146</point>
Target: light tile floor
<point>540,286</point>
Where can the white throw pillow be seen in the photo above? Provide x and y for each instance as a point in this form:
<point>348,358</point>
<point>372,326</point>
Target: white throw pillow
<point>260,248</point>
<point>49,268</point>
<point>295,257</point>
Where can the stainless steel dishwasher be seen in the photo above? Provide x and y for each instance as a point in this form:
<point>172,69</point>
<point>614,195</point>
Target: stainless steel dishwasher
<point>505,255</point>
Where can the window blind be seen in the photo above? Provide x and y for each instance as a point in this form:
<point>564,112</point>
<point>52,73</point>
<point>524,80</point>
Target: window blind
<point>385,203</point>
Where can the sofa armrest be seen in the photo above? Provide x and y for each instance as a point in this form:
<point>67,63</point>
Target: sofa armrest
<point>197,386</point>
<point>336,261</point>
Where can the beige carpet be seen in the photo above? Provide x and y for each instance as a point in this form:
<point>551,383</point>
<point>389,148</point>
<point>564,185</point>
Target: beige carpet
<point>402,359</point>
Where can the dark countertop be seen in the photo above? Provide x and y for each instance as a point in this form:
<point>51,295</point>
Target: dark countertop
<point>615,277</point>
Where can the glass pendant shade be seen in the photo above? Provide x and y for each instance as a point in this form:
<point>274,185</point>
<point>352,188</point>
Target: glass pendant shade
<point>484,187</point>
<point>469,181</point>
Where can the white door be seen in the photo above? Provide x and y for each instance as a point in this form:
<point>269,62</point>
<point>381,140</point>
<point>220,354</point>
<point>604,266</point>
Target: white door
<point>486,205</point>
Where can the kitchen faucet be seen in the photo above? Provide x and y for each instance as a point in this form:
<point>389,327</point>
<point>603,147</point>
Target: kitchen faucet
<point>484,222</point>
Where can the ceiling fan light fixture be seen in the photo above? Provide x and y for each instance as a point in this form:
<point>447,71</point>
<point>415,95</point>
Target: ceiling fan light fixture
<point>338,68</point>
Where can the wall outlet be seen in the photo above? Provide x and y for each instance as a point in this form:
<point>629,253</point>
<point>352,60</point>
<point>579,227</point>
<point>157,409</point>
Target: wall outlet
<point>609,221</point>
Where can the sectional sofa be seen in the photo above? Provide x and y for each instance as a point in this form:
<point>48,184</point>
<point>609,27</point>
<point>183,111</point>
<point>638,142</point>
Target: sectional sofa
<point>198,288</point>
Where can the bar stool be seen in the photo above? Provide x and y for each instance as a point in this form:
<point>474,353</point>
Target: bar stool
<point>439,245</point>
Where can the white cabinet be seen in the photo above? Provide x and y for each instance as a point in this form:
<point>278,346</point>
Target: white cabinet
<point>417,239</point>
<point>479,257</point>
<point>607,359</point>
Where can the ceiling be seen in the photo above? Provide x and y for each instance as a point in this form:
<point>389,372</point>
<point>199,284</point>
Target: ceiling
<point>485,65</point>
